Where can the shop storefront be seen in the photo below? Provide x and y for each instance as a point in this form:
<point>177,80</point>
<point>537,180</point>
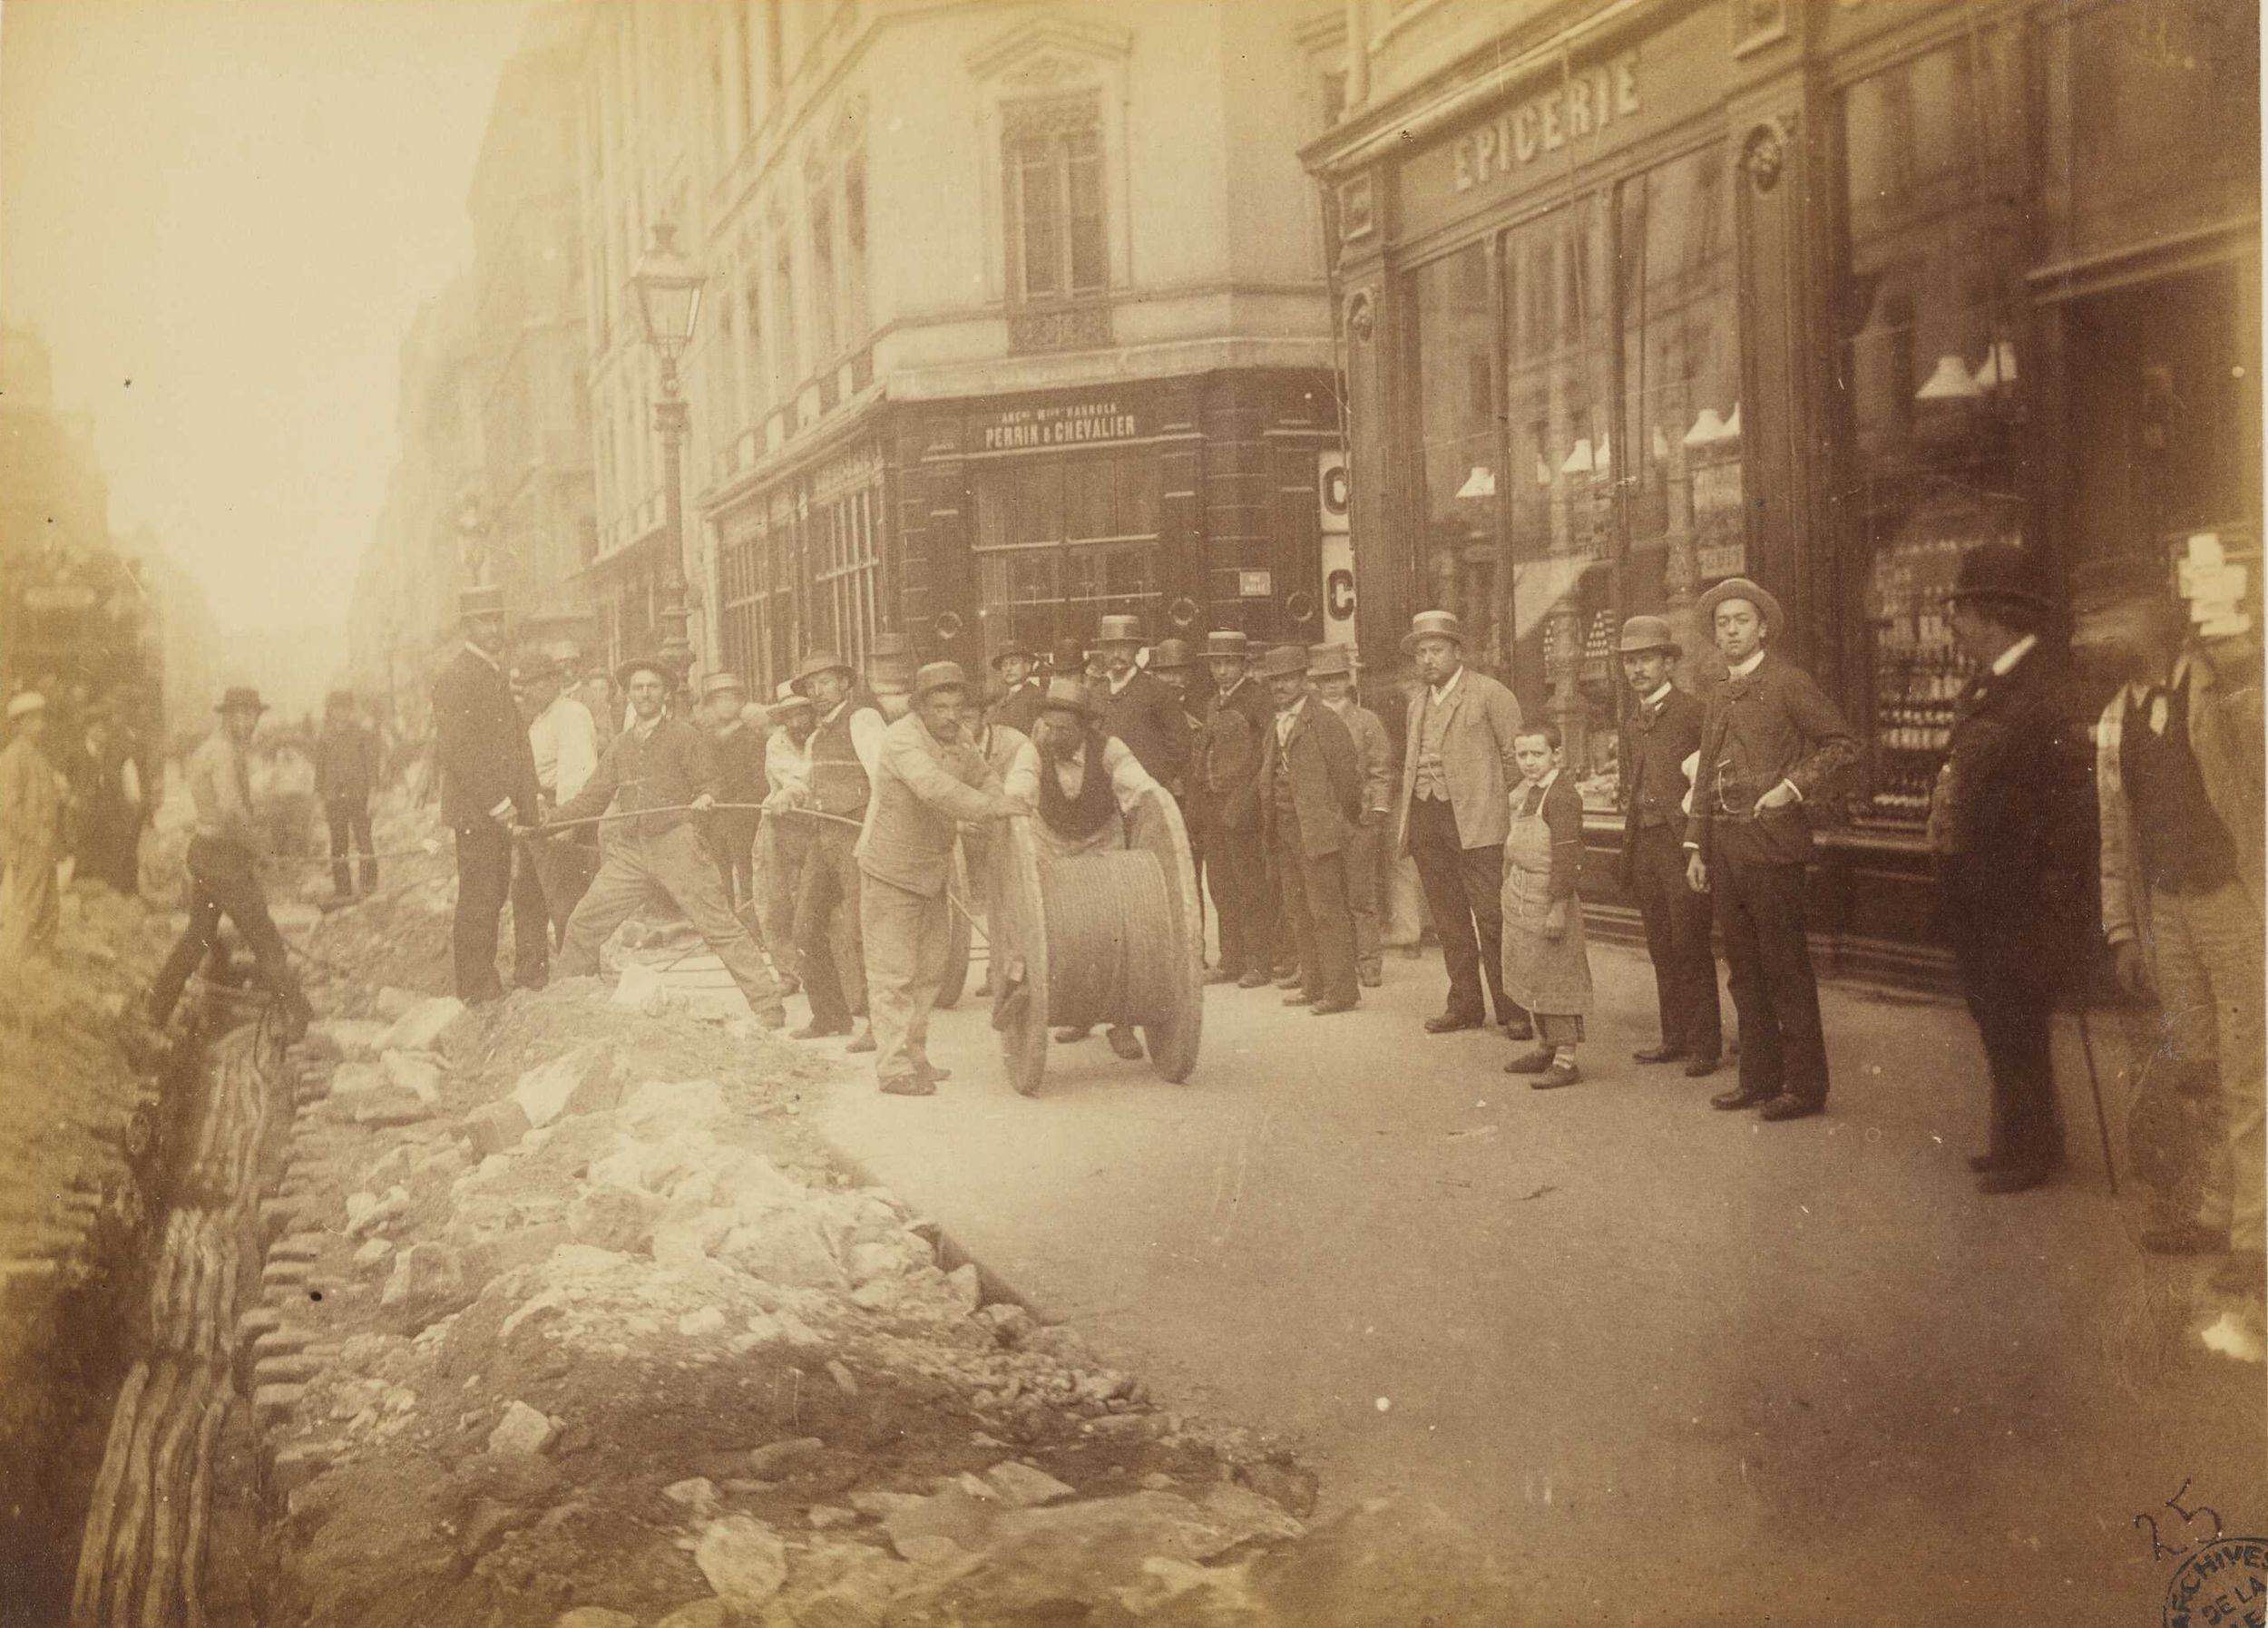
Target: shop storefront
<point>798,563</point>
<point>1820,295</point>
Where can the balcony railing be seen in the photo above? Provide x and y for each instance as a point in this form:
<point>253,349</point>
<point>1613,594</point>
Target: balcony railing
<point>1083,326</point>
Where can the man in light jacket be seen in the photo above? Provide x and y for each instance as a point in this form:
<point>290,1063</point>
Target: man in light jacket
<point>1457,771</point>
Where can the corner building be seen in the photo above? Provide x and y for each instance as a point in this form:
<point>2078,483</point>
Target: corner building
<point>1641,295</point>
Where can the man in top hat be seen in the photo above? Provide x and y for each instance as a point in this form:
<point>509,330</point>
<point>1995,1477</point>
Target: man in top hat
<point>1018,705</point>
<point>1770,740</point>
<point>927,780</point>
<point>1664,729</point>
<point>659,777</point>
<point>2177,786</point>
<point>890,673</point>
<point>1237,718</point>
<point>31,834</point>
<point>2011,827</point>
<point>740,772</point>
<point>223,878</point>
<point>1457,774</point>
<point>1311,804</point>
<point>1331,671</point>
<point>845,752</point>
<point>487,779</point>
<point>1141,710</point>
<point>781,839</point>
<point>346,773</point>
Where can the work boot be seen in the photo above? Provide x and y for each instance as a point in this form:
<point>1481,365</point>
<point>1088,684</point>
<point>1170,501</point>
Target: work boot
<point>1125,1044</point>
<point>1664,1053</point>
<point>1254,979</point>
<point>908,1084</point>
<point>930,1072</point>
<point>1222,975</point>
<point>1287,980</point>
<point>1700,1067</point>
<point>773,1018</point>
<point>1784,1107</point>
<point>1741,1099</point>
<point>817,1030</point>
<point>864,1040</point>
<point>1071,1037</point>
<point>1371,976</point>
<point>1533,1062</point>
<point>1560,1073</point>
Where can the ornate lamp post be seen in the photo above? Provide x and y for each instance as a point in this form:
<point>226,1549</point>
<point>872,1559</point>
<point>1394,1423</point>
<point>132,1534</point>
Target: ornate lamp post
<point>669,304</point>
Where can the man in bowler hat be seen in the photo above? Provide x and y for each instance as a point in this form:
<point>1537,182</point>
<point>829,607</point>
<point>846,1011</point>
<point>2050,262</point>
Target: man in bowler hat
<point>2012,825</point>
<point>487,778</point>
<point>1140,709</point>
<point>1237,716</point>
<point>1771,739</point>
<point>1310,802</point>
<point>1662,730</point>
<point>1022,690</point>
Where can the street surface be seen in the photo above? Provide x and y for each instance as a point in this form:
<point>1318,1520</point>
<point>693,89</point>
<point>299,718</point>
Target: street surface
<point>1670,1365</point>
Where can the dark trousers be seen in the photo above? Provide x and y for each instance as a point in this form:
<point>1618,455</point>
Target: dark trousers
<point>826,905</point>
<point>1313,888</point>
<point>1760,911</point>
<point>532,914</point>
<point>1677,939</point>
<point>565,866</point>
<point>1236,870</point>
<point>483,882</point>
<point>2006,980</point>
<point>222,882</point>
<point>1464,889</point>
<point>349,819</point>
<point>732,838</point>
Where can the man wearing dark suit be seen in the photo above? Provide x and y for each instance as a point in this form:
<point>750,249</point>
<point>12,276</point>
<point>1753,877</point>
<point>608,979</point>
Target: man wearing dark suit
<point>1141,710</point>
<point>1771,740</point>
<point>487,776</point>
<point>1019,707</point>
<point>1237,718</point>
<point>2011,824</point>
<point>1311,799</point>
<point>1662,730</point>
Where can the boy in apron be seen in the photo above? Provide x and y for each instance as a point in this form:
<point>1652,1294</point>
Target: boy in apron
<point>1545,967</point>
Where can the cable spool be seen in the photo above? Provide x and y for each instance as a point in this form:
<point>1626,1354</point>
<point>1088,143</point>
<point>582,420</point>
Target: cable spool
<point>1110,937</point>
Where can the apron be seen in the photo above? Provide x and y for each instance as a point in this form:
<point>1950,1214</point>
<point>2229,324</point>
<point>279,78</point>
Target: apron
<point>1539,974</point>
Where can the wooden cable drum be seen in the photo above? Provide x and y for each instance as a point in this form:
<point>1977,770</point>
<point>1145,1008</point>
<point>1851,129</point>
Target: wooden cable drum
<point>1107,937</point>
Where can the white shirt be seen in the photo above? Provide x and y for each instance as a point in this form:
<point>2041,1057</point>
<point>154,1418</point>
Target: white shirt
<point>1286,718</point>
<point>1117,685</point>
<point>787,763</point>
<point>1659,695</point>
<point>566,746</point>
<point>1741,669</point>
<point>866,727</point>
<point>1440,692</point>
<point>2005,662</point>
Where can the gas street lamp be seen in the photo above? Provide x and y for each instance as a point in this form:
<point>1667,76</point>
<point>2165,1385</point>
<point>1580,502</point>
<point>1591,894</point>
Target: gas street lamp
<point>669,291</point>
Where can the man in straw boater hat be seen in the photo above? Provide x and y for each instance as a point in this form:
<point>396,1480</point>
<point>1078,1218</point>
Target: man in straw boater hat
<point>1238,717</point>
<point>1662,730</point>
<point>1331,671</point>
<point>659,776</point>
<point>845,746</point>
<point>2177,784</point>
<point>1770,740</point>
<point>487,778</point>
<point>781,840</point>
<point>1310,802</point>
<point>223,877</point>
<point>1022,688</point>
<point>927,780</point>
<point>1457,774</point>
<point>31,833</point>
<point>2011,828</point>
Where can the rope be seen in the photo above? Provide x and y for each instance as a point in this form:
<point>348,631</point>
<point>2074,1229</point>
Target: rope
<point>1106,919</point>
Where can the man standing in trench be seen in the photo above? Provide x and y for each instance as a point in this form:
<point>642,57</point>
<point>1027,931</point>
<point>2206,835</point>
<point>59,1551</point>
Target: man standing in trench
<point>661,764</point>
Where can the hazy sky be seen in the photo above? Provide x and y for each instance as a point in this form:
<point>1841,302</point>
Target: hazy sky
<point>239,205</point>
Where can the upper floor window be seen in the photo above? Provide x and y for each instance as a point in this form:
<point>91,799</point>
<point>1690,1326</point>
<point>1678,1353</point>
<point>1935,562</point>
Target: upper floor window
<point>1058,247</point>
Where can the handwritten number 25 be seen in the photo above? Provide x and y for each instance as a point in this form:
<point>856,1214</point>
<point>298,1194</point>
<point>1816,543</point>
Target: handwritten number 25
<point>2160,1551</point>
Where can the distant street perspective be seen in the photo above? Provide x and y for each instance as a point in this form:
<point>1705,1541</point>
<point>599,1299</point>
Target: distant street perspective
<point>1131,813</point>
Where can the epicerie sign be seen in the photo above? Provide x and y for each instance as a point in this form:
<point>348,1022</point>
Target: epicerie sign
<point>1583,106</point>
<point>1066,423</point>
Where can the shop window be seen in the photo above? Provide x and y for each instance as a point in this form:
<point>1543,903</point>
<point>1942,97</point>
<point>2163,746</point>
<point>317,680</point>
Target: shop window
<point>844,571</point>
<point>1057,246</point>
<point>1931,368</point>
<point>1063,541</point>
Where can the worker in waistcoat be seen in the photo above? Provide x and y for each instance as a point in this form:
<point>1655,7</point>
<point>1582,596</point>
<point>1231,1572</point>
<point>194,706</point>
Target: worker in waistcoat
<point>781,839</point>
<point>927,780</point>
<point>845,745</point>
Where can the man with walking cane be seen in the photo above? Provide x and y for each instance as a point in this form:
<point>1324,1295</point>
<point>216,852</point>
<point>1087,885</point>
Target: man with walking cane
<point>656,778</point>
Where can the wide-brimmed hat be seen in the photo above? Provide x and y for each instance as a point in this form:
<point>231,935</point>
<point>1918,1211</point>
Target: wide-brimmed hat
<point>1284,661</point>
<point>787,701</point>
<point>1170,656</point>
<point>1228,644</point>
<point>241,697</point>
<point>484,602</point>
<point>1999,569</point>
<point>27,702</point>
<point>718,682</point>
<point>1330,661</point>
<point>1641,634</point>
<point>817,662</point>
<point>1741,587</point>
<point>939,674</point>
<point>1016,647</point>
<point>1436,624</point>
<point>1119,630</point>
<point>1069,694</point>
<point>1068,656</point>
<point>642,664</point>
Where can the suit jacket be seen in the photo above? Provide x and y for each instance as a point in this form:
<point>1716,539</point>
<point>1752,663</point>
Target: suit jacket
<point>1147,716</point>
<point>1770,725</point>
<point>1019,709</point>
<point>1374,751</point>
<point>1654,754</point>
<point>1231,759</point>
<point>1326,780</point>
<point>481,743</point>
<point>1476,758</point>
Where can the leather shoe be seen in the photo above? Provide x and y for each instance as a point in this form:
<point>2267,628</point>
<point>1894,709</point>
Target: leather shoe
<point>2184,1238</point>
<point>1221,975</point>
<point>1371,976</point>
<point>1449,1023</point>
<point>1784,1107</point>
<point>1288,980</point>
<point>1533,1062</point>
<point>1742,1097</point>
<point>1254,979</point>
<point>1700,1067</point>
<point>1125,1045</point>
<point>2012,1178</point>
<point>1071,1037</point>
<point>817,1032</point>
<point>1658,1053</point>
<point>1324,1008</point>
<point>1299,997</point>
<point>1520,1028</point>
<point>909,1084</point>
<point>864,1040</point>
<point>1552,1078</point>
<point>930,1072</point>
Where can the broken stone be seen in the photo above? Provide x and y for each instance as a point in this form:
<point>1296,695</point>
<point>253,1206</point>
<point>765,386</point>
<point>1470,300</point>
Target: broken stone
<point>967,1287</point>
<point>593,1616</point>
<point>428,1282</point>
<point>953,1514</point>
<point>1026,1488</point>
<point>615,1218</point>
<point>353,1038</point>
<point>390,1109</point>
<point>581,1081</point>
<point>661,1108</point>
<point>696,1493</point>
<point>522,1431</point>
<point>351,1079</point>
<point>494,1127</point>
<point>419,1075</point>
<point>844,1381</point>
<point>707,1319</point>
<point>788,1252</point>
<point>391,1003</point>
<point>778,1459</point>
<point>1010,1322</point>
<point>712,1612</point>
<point>743,1560</point>
<point>1292,1488</point>
<point>1384,1562</point>
<point>827,1517</point>
<point>422,1025</point>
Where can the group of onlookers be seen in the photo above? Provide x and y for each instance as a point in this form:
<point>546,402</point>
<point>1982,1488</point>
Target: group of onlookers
<point>77,785</point>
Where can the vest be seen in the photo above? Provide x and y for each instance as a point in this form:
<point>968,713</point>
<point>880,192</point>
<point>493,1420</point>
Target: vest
<point>2182,844</point>
<point>838,780</point>
<point>1286,798</point>
<point>1078,818</point>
